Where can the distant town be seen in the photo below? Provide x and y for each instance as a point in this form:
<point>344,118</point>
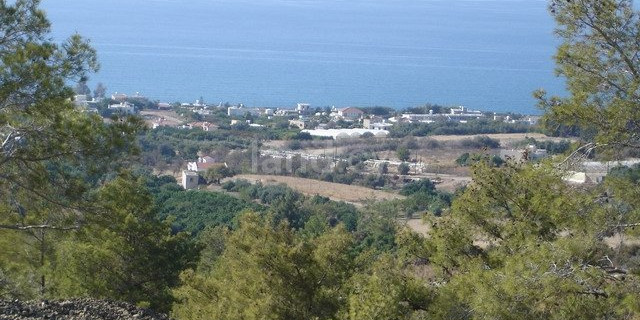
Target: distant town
<point>349,126</point>
<point>334,122</point>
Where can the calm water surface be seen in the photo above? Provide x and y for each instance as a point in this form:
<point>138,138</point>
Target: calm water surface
<point>486,54</point>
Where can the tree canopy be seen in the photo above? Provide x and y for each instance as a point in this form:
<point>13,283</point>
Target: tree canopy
<point>599,57</point>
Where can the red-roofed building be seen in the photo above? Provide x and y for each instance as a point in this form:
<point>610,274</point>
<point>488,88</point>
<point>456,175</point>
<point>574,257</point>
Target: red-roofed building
<point>351,113</point>
<point>204,166</point>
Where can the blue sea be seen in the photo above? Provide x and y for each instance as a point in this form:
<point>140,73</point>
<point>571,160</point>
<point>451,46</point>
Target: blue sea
<point>483,54</point>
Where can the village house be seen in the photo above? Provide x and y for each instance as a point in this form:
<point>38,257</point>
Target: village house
<point>123,107</point>
<point>164,106</point>
<point>80,100</point>
<point>299,123</point>
<point>303,108</point>
<point>190,179</point>
<point>205,126</point>
<point>203,164</point>
<point>350,113</point>
<point>376,123</point>
<point>119,96</point>
<point>530,153</point>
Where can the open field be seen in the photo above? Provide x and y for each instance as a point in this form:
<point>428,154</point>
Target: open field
<point>334,191</point>
<point>168,117</point>
<point>505,138</point>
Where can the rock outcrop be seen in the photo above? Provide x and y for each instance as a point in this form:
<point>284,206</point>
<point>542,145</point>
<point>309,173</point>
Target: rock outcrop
<point>76,309</point>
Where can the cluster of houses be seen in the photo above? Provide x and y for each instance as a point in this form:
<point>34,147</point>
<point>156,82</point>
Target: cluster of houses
<point>316,122</point>
<point>310,120</point>
<point>122,106</point>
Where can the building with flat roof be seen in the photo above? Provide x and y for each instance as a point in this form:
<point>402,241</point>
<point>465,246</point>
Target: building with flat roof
<point>123,107</point>
<point>190,179</point>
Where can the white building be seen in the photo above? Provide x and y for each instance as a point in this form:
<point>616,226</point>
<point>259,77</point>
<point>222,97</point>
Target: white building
<point>286,112</point>
<point>189,179</point>
<point>123,107</point>
<point>299,123</point>
<point>201,166</point>
<point>303,108</point>
<point>376,123</point>
<point>119,96</point>
<point>460,114</point>
<point>346,133</point>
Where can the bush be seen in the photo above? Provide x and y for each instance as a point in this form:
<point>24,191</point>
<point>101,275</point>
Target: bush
<point>420,186</point>
<point>403,153</point>
<point>480,142</point>
<point>403,168</point>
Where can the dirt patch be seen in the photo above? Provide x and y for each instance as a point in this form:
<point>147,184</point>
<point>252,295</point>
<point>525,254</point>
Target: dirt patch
<point>418,226</point>
<point>163,117</point>
<point>333,191</point>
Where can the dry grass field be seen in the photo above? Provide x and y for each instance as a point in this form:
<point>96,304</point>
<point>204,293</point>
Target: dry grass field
<point>417,225</point>
<point>503,137</point>
<point>169,117</point>
<point>334,191</point>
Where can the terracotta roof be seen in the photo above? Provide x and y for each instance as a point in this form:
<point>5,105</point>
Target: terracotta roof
<point>206,166</point>
<point>352,109</point>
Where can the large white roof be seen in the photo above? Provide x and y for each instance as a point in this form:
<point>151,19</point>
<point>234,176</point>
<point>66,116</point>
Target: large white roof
<point>345,133</point>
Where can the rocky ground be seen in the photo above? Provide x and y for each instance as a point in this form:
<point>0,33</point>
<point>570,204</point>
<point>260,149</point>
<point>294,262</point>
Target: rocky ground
<point>78,309</point>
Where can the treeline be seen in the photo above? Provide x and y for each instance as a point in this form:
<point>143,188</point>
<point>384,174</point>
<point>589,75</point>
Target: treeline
<point>479,126</point>
<point>552,147</point>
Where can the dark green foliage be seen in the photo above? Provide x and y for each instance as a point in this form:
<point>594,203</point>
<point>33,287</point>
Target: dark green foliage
<point>374,181</point>
<point>142,103</point>
<point>427,108</point>
<point>334,212</point>
<point>125,254</point>
<point>295,208</point>
<point>100,91</point>
<point>303,136</point>
<point>215,174</point>
<point>464,160</point>
<point>403,153</point>
<point>378,111</point>
<point>383,168</point>
<point>193,210</point>
<point>423,196</point>
<point>420,186</point>
<point>599,59</point>
<point>552,147</point>
<point>280,276</point>
<point>400,130</point>
<point>480,142</point>
<point>82,88</point>
<point>631,174</point>
<point>53,156</point>
<point>236,185</point>
<point>403,168</point>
